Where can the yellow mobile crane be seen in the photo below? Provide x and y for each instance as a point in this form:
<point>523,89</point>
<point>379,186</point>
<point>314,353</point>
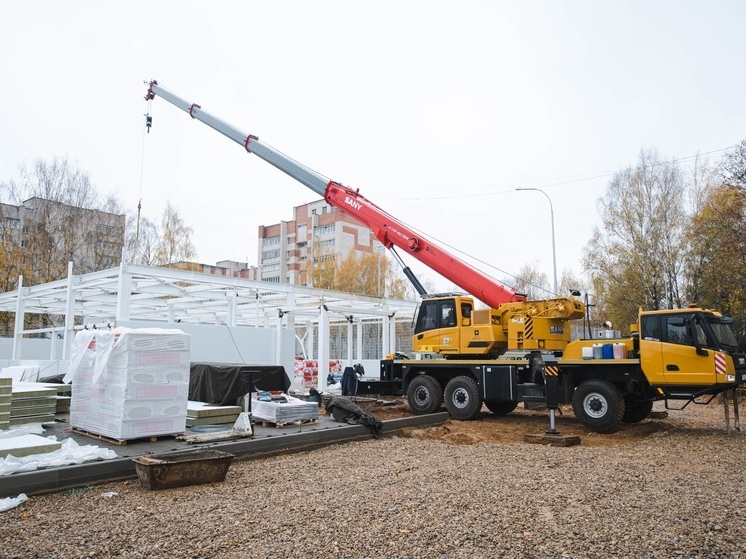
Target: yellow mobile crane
<point>518,350</point>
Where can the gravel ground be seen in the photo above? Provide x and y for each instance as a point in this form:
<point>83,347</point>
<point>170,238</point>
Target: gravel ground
<point>680,492</point>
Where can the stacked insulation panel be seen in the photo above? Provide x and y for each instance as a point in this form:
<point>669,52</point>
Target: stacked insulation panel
<point>63,395</point>
<point>130,383</point>
<point>32,402</point>
<point>6,388</point>
<point>200,413</point>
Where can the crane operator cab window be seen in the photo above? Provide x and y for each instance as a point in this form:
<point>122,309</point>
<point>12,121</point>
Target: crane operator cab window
<point>651,328</point>
<point>686,330</point>
<point>448,314</point>
<point>438,313</point>
<point>466,313</point>
<point>675,329</point>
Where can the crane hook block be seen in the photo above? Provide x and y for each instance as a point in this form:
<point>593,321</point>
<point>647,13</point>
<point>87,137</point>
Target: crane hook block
<point>148,122</point>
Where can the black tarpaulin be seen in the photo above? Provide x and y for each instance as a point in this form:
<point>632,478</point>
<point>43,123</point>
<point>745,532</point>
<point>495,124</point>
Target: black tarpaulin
<point>345,410</point>
<point>223,384</point>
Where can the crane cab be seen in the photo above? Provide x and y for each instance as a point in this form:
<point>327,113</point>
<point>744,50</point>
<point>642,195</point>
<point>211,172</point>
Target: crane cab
<point>450,325</point>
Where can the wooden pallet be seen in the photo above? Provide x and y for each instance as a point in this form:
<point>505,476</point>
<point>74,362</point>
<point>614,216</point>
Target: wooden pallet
<point>297,423</point>
<point>122,442</point>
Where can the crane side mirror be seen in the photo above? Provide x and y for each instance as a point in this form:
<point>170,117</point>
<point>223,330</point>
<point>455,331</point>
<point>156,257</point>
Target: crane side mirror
<point>698,336</point>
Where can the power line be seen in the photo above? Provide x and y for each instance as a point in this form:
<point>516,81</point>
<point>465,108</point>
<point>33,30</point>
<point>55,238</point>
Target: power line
<point>560,181</point>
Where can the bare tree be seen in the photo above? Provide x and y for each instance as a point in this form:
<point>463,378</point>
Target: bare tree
<point>530,281</point>
<point>53,215</point>
<point>142,241</point>
<point>636,256</point>
<point>175,239</point>
<point>718,251</point>
<point>734,166</point>
<point>63,218</point>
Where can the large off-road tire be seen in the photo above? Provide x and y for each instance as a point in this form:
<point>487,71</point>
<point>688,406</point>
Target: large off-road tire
<point>501,407</point>
<point>636,410</point>
<point>598,405</point>
<point>424,395</point>
<point>462,398</point>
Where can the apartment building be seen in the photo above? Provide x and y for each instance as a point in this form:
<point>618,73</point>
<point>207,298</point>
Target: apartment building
<point>55,232</point>
<point>317,230</point>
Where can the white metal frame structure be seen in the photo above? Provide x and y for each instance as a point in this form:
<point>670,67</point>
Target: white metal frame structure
<point>170,296</point>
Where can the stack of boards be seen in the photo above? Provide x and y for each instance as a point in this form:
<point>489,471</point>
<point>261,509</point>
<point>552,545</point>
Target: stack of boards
<point>32,402</point>
<point>200,413</point>
<point>6,387</point>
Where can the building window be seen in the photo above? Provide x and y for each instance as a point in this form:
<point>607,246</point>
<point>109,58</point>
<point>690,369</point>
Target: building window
<point>324,258</point>
<point>275,253</point>
<point>266,241</point>
<point>325,230</point>
<point>10,223</point>
<point>270,267</point>
<point>327,244</point>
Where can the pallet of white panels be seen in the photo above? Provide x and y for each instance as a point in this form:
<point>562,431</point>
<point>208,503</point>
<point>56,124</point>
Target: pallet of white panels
<point>285,411</point>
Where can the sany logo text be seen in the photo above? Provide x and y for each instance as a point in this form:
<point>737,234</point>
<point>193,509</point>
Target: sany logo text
<point>350,202</point>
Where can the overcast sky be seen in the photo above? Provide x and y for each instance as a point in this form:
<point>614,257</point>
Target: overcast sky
<point>437,111</point>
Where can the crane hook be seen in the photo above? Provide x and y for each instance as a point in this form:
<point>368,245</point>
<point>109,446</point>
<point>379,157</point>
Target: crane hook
<point>148,122</point>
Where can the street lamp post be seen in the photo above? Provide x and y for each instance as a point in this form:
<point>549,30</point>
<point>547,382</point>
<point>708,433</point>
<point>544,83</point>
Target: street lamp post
<point>554,252</point>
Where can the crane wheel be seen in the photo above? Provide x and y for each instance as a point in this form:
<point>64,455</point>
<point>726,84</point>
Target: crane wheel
<point>598,405</point>
<point>462,398</point>
<point>424,395</point>
<point>636,410</point>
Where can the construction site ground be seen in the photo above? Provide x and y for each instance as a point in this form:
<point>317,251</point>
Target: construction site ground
<point>669,486</point>
<point>513,427</point>
<point>397,420</point>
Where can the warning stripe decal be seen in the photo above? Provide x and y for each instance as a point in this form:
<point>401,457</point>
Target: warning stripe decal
<point>528,329</point>
<point>551,370</point>
<point>720,364</point>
